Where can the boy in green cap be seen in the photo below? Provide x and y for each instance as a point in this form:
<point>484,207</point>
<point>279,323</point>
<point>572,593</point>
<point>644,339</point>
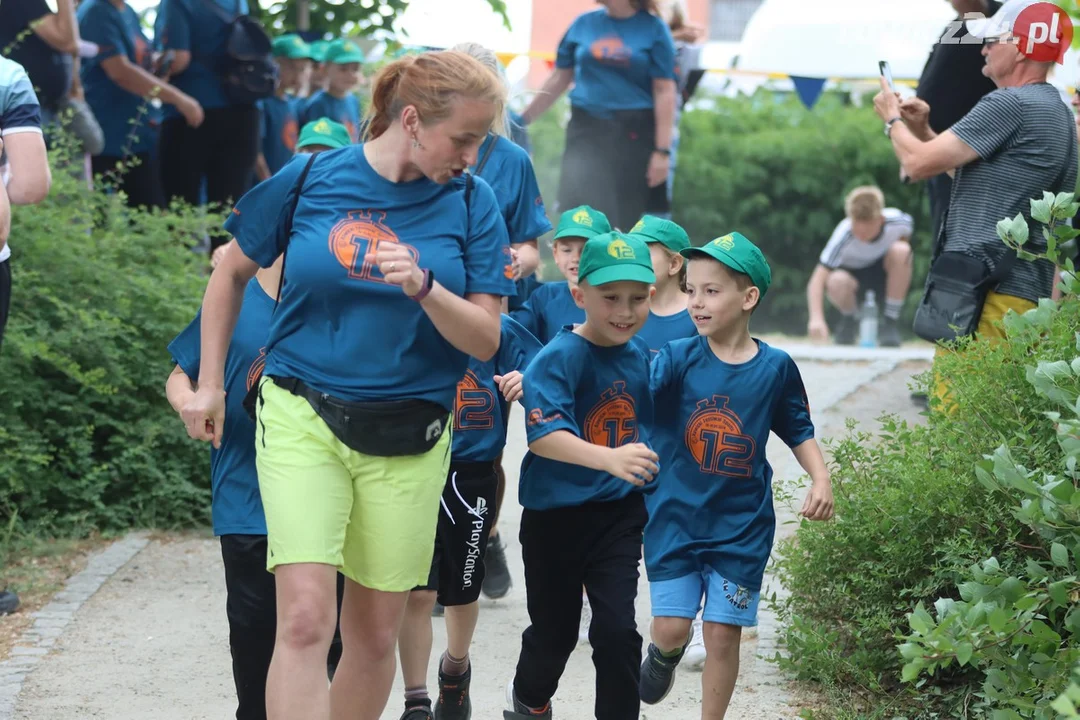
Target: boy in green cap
<point>280,121</point>
<point>323,134</point>
<point>318,67</point>
<point>337,101</point>
<point>668,317</point>
<point>717,398</point>
<point>552,305</point>
<point>582,483</point>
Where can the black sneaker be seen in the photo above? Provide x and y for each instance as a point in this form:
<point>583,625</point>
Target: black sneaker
<point>438,610</point>
<point>418,712</point>
<point>846,330</point>
<point>454,702</point>
<point>9,602</point>
<point>517,710</point>
<point>658,675</point>
<point>889,333</point>
<point>497,582</point>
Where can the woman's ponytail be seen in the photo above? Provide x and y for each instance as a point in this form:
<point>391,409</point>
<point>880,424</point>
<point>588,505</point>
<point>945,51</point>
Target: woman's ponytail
<point>383,92</point>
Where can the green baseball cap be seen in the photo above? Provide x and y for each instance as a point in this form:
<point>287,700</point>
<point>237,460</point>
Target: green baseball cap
<point>324,131</point>
<point>341,52</point>
<point>653,229</point>
<point>318,50</point>
<point>583,222</point>
<point>291,46</point>
<point>614,256</point>
<point>739,254</point>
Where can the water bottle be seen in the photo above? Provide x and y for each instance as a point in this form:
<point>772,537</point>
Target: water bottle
<point>868,321</point>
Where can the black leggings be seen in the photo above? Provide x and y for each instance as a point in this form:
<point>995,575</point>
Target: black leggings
<point>140,179</point>
<point>222,151</point>
<point>5,295</point>
<point>605,163</point>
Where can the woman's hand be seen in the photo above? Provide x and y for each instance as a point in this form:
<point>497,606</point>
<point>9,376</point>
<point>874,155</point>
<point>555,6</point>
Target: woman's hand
<point>887,103</point>
<point>192,111</point>
<point>204,415</point>
<point>659,166</point>
<point>398,267</point>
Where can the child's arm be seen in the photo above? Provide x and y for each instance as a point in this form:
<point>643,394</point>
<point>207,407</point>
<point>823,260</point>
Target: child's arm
<point>635,463</point>
<point>510,385</point>
<point>179,389</point>
<point>262,169</point>
<point>819,501</point>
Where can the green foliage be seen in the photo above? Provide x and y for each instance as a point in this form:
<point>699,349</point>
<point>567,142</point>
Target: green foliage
<point>776,172</point>
<point>958,540</point>
<point>87,439</point>
<point>335,18</point>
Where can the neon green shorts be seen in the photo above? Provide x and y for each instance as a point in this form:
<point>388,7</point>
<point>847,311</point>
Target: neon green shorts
<point>373,518</point>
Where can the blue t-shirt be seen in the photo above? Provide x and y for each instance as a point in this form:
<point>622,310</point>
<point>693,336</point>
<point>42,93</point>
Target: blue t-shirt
<point>525,288</point>
<point>340,327</point>
<point>659,330</point>
<point>279,130</point>
<point>116,32</point>
<point>481,414</point>
<point>344,110</point>
<point>236,505</point>
<point>616,60</point>
<point>510,173</point>
<point>713,505</point>
<point>192,26</point>
<point>518,132</point>
<point>600,394</point>
<point>548,310</point>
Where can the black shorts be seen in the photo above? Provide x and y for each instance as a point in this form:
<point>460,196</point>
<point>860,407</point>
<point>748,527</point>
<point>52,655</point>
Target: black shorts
<point>465,519</point>
<point>869,278</point>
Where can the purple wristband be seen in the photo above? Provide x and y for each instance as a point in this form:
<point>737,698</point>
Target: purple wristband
<point>425,288</point>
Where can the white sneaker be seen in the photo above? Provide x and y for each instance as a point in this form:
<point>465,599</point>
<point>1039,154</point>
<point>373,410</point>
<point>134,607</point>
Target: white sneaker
<point>586,620</point>
<point>694,657</point>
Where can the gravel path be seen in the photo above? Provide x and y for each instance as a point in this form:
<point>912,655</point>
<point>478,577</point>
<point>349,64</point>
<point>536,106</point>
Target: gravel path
<point>153,641</point>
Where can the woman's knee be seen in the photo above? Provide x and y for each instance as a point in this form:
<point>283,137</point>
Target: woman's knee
<point>670,633</point>
<point>721,639</point>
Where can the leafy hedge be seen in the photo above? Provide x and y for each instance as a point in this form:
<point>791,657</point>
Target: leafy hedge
<point>87,440</point>
<point>948,586</point>
<point>777,172</point>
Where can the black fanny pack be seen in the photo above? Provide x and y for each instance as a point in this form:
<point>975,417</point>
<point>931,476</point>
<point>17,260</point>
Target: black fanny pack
<point>384,429</point>
<point>956,291</point>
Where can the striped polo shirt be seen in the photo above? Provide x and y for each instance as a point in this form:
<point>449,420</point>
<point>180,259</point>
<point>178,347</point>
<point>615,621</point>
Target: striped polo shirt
<point>1026,141</point>
<point>19,113</point>
<point>844,251</point>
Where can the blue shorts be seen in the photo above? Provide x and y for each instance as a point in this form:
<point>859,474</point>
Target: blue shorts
<point>725,602</point>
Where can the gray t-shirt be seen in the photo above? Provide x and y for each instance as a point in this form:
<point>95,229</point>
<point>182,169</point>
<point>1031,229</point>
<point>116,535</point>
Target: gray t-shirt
<point>1026,140</point>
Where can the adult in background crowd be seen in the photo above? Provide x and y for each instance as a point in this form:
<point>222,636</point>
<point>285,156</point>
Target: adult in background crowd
<point>119,84</point>
<point>221,150</point>
<point>44,43</point>
<point>24,180</point>
<point>952,82</point>
<point>1017,142</point>
<point>869,251</point>
<point>621,62</point>
<point>352,438</point>
<point>686,35</point>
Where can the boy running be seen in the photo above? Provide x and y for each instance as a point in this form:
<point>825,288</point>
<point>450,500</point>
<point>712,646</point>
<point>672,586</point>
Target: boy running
<point>552,305</point>
<point>711,520</point>
<point>588,411</point>
<point>668,317</point>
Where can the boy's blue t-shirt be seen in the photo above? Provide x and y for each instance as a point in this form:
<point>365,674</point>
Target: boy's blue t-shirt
<point>616,60</point>
<point>713,505</point>
<point>236,506</point>
<point>525,288</point>
<point>344,110</point>
<point>192,26</point>
<point>510,173</point>
<point>550,308</point>
<point>116,32</point>
<point>280,130</point>
<point>659,330</point>
<point>600,394</point>
<point>481,413</point>
<point>340,327</point>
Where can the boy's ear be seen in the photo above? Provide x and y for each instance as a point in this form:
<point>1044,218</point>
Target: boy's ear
<point>751,298</point>
<point>578,295</point>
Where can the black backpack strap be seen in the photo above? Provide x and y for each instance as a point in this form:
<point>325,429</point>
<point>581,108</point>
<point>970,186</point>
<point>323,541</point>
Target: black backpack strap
<point>469,185</point>
<point>487,154</point>
<point>289,221</point>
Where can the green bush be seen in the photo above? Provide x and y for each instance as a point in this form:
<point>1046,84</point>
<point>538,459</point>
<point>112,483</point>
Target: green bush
<point>924,521</point>
<point>778,173</point>
<point>87,439</point>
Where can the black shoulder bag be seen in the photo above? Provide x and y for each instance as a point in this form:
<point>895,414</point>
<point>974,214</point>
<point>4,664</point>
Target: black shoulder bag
<point>391,428</point>
<point>956,291</point>
<point>247,71</point>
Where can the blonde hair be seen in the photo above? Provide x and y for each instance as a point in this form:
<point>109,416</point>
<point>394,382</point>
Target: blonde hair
<point>430,82</point>
<point>864,203</point>
<point>488,59</point>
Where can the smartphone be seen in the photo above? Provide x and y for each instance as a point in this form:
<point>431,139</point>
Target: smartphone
<point>886,72</point>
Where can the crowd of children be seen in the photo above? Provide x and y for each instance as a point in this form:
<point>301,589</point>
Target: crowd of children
<point>647,405</point>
